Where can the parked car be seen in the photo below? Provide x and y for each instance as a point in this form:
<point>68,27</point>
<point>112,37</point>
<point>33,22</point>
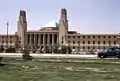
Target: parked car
<point>110,52</point>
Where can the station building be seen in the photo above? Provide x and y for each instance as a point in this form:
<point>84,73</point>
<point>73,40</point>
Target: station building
<point>56,36</point>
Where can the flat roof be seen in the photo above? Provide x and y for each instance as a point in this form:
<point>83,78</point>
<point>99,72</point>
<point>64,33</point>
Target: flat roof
<point>91,34</point>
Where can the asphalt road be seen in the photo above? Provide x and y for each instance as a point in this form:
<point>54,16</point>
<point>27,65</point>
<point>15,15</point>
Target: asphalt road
<point>19,55</point>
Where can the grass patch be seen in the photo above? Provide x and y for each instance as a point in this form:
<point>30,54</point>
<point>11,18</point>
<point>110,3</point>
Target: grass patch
<point>60,70</point>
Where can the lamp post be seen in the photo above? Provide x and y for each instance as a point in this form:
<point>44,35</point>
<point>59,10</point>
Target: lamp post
<point>119,39</point>
<point>7,34</point>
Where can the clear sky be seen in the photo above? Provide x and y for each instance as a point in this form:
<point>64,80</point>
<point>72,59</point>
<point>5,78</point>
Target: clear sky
<point>85,16</point>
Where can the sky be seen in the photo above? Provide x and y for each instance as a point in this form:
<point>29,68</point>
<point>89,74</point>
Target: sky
<point>84,16</point>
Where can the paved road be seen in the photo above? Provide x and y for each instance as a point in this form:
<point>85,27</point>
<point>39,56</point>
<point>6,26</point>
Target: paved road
<point>19,55</point>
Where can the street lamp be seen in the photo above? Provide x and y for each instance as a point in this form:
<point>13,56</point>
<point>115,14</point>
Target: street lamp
<point>119,39</point>
<point>7,34</point>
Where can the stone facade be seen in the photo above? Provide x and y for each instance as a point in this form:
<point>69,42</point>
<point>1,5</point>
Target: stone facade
<point>50,37</point>
<point>92,41</point>
<point>8,40</point>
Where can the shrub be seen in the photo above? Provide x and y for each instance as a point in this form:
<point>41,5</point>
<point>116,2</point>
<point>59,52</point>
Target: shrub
<point>26,55</point>
<point>1,49</point>
<point>40,51</point>
<point>69,50</point>
<point>64,50</point>
<point>55,50</point>
<point>33,51</point>
<point>10,50</point>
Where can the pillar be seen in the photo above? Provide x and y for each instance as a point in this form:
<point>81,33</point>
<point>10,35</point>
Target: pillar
<point>39,40</point>
<point>52,39</point>
<point>48,39</point>
<point>26,40</point>
<point>30,40</point>
<point>52,42</point>
<point>43,39</point>
<point>57,39</point>
<point>35,40</point>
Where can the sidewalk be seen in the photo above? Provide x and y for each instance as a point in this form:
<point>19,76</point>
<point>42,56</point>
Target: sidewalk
<point>48,55</point>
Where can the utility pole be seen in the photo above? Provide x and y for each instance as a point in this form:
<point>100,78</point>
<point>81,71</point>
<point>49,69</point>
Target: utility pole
<point>7,34</point>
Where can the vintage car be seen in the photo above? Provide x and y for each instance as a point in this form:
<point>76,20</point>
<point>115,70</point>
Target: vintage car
<point>110,52</point>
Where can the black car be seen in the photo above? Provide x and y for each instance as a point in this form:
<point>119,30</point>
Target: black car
<point>110,52</point>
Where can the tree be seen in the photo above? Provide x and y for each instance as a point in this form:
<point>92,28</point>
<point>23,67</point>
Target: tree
<point>10,50</point>
<point>26,54</point>
<point>1,48</point>
<point>69,50</point>
<point>64,49</point>
<point>55,50</point>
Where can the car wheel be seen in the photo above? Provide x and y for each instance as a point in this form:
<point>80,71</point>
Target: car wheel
<point>101,56</point>
<point>118,56</point>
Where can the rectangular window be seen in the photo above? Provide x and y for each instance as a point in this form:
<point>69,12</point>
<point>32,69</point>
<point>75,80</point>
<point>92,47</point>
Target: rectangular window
<point>6,41</point>
<point>68,37</point>
<point>73,47</point>
<point>93,42</point>
<point>68,41</point>
<point>62,37</point>
<point>88,42</point>
<point>103,42</point>
<point>10,41</point>
<point>10,36</point>
<point>2,37</point>
<point>73,42</point>
<point>83,42</point>
<point>98,36</point>
<point>2,41</point>
<point>98,42</point>
<point>114,42</point>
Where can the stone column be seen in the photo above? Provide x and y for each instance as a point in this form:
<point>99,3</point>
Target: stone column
<point>52,39</point>
<point>48,39</point>
<point>43,39</point>
<point>57,39</point>
<point>35,41</point>
<point>52,42</point>
<point>39,39</point>
<point>26,40</point>
<point>30,40</point>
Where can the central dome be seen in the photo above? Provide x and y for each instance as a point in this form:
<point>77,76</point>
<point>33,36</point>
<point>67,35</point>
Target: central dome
<point>51,24</point>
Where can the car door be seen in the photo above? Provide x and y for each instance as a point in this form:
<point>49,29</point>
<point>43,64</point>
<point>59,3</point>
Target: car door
<point>111,52</point>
